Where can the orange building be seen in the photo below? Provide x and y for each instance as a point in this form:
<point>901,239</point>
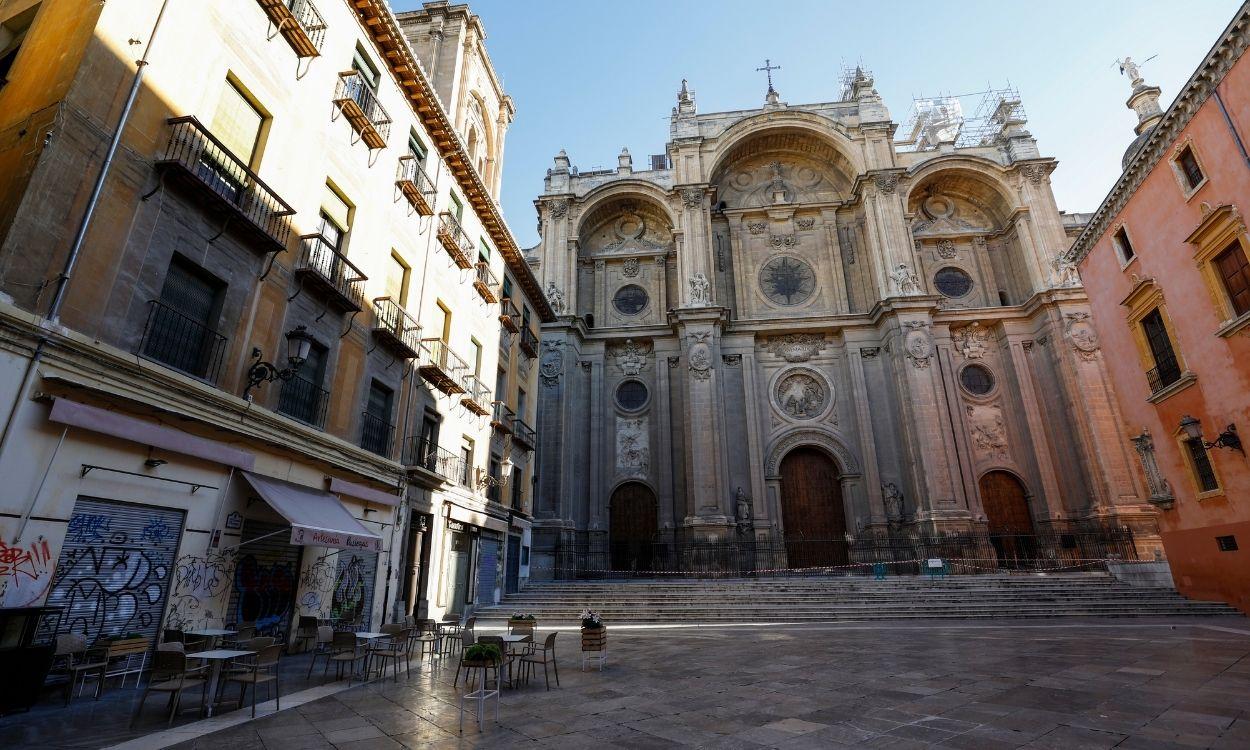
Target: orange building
<point>1166,262</point>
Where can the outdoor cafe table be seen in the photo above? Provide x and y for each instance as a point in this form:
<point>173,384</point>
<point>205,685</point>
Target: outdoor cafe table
<point>370,636</point>
<point>510,640</point>
<point>211,633</point>
<point>217,657</point>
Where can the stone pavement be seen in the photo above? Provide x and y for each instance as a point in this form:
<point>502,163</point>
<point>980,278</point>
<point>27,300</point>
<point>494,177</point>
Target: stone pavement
<point>1062,684</point>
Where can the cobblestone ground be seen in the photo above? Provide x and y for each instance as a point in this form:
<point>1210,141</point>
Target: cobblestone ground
<point>1060,684</point>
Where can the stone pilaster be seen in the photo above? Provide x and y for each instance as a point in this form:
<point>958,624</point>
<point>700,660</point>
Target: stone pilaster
<point>707,500</point>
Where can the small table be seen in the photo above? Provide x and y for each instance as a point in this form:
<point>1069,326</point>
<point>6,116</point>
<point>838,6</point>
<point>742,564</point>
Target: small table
<point>211,633</point>
<point>510,640</point>
<point>217,657</point>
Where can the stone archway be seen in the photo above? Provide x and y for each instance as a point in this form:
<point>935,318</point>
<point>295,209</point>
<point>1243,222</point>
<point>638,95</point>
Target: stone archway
<point>632,527</point>
<point>813,515</point>
<point>1008,518</point>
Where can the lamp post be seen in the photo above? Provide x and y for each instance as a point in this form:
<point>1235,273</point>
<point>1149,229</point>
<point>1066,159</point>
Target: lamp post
<point>1226,439</point>
<point>298,345</point>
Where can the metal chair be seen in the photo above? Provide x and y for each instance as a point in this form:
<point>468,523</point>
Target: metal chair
<point>392,648</point>
<point>170,674</point>
<point>544,655</point>
<point>345,649</point>
<point>306,631</point>
<point>466,639</point>
<point>322,646</point>
<point>263,670</point>
<point>507,660</point>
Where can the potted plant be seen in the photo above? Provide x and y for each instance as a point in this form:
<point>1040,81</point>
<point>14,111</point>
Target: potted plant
<point>522,620</point>
<point>482,655</point>
<point>594,632</point>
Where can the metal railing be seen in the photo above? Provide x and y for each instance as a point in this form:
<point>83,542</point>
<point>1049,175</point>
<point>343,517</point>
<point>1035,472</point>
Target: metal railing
<point>390,319</point>
<point>508,314</point>
<point>1074,546</point>
<point>454,239</point>
<point>1166,372</point>
<point>181,342</point>
<point>318,255</point>
<point>196,151</point>
<point>427,455</point>
<point>304,400</point>
<point>436,353</point>
<point>412,177</point>
<point>523,433</point>
<point>529,342</point>
<point>484,281</point>
<point>375,434</point>
<point>501,417</point>
<point>300,22</point>
<point>352,89</point>
<point>475,389</point>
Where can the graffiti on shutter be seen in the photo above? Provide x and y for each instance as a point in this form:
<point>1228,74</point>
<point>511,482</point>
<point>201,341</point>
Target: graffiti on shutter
<point>352,602</point>
<point>264,578</point>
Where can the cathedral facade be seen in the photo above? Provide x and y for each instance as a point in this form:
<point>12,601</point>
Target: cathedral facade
<point>792,328</point>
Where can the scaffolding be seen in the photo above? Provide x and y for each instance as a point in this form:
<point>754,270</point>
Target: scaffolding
<point>850,74</point>
<point>937,120</point>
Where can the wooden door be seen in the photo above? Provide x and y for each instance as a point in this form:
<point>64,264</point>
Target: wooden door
<point>811,509</point>
<point>1007,516</point>
<point>633,527</point>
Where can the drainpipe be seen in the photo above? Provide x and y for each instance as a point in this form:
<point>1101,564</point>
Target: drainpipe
<point>1231,128</point>
<point>58,298</point>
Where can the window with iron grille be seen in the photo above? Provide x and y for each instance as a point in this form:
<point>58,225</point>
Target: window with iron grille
<point>302,396</point>
<point>375,431</point>
<point>1167,368</point>
<point>1189,168</point>
<point>365,67</point>
<point>492,489</point>
<point>181,324</point>
<point>1234,270</point>
<point>1200,462</point>
<point>516,488</point>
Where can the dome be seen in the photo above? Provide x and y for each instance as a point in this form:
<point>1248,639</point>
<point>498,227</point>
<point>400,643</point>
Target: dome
<point>1135,146</point>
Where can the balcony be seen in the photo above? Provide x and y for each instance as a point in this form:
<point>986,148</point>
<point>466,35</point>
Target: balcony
<point>529,343</point>
<point>413,182</point>
<point>508,315</point>
<point>299,22</point>
<point>395,328</point>
<point>454,240</point>
<point>206,166</point>
<point>476,396</point>
<point>501,418</point>
<point>375,434</point>
<point>440,366</point>
<point>1167,372</point>
<point>359,104</point>
<point>424,454</point>
<point>523,435</point>
<point>485,283</point>
<point>304,400</point>
<point>330,273</point>
<point>183,343</point>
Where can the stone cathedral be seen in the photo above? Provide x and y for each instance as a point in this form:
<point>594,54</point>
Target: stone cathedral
<point>793,327</point>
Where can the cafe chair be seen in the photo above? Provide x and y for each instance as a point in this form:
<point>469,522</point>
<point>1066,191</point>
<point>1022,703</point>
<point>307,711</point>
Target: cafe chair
<point>544,655</point>
<point>322,646</point>
<point>261,671</point>
<point>306,632</point>
<point>345,649</point>
<point>170,674</point>
<point>392,648</point>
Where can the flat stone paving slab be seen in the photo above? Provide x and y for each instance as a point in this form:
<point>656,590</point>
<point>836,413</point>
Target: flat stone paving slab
<point>1059,684</point>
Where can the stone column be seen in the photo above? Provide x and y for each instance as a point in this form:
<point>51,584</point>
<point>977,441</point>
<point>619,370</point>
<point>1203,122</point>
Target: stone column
<point>707,501</point>
<point>888,236</point>
<point>863,426</point>
<point>696,255</point>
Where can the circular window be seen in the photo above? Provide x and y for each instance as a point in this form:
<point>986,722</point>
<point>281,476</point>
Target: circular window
<point>977,380</point>
<point>787,281</point>
<point>630,299</point>
<point>952,282</point>
<point>631,395</point>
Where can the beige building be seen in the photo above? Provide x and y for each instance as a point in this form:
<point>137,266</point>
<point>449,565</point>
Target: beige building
<point>264,376</point>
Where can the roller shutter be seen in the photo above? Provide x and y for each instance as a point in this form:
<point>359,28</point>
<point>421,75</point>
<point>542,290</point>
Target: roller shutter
<point>266,577</point>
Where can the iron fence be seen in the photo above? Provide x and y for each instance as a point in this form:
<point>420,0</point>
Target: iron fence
<point>183,343</point>
<point>319,256</point>
<point>375,434</point>
<point>427,455</point>
<point>304,400</point>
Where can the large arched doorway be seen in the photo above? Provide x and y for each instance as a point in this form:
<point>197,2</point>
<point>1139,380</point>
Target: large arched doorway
<point>632,527</point>
<point>811,509</point>
<point>1007,517</point>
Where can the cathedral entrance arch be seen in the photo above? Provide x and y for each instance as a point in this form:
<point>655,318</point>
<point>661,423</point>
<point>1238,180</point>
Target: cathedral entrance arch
<point>632,527</point>
<point>812,512</point>
<point>1009,522</point>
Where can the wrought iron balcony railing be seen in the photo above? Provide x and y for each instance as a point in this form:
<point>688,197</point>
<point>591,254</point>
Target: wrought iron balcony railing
<point>476,396</point>
<point>501,417</point>
<point>441,367</point>
<point>330,273</point>
<point>181,342</point>
<point>529,342</point>
<point>200,160</point>
<point>375,434</point>
<point>425,454</point>
<point>359,104</point>
<point>299,22</point>
<point>304,400</point>
<point>523,434</point>
<point>485,283</point>
<point>395,328</point>
<point>454,240</point>
<point>415,184</point>
<point>508,315</point>
<point>1166,372</point>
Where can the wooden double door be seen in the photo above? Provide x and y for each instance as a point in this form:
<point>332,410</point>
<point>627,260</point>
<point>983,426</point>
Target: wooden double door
<point>633,527</point>
<point>1008,518</point>
<point>812,510</point>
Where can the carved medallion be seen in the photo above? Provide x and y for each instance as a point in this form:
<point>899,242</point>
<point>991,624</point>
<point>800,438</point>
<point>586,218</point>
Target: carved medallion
<point>1081,332</point>
<point>551,363</point>
<point>631,356</point>
<point>796,347</point>
<point>700,356</point>
<point>801,395</point>
<point>787,281</point>
<point>692,197</point>
<point>972,341</point>
<point>630,267</point>
<point>918,344</point>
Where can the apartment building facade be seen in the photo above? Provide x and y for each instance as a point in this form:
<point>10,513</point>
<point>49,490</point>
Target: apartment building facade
<point>262,377</point>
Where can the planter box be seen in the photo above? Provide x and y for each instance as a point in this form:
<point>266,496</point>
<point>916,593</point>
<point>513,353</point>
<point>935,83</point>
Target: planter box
<point>531,624</point>
<point>126,646</point>
<point>594,639</point>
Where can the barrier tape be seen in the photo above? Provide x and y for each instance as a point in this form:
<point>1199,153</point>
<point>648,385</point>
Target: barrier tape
<point>968,562</point>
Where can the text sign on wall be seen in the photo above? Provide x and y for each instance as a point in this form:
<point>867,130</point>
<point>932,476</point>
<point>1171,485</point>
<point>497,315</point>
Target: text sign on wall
<point>338,539</point>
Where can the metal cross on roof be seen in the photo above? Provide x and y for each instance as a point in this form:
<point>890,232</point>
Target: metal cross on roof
<point>768,70</point>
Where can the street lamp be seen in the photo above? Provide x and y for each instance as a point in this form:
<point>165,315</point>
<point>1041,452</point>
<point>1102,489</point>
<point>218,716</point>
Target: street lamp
<point>298,345</point>
<point>1227,439</point>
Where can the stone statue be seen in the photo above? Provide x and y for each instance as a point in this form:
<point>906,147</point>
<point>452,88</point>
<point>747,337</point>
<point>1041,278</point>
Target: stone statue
<point>1065,273</point>
<point>700,290</point>
<point>556,298</point>
<point>893,500</point>
<point>742,508</point>
<point>1130,69</point>
<point>905,279</point>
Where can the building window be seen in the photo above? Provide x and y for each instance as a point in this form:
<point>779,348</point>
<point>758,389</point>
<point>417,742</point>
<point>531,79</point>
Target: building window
<point>520,403</point>
<point>181,323</point>
<point>1123,247</point>
<point>483,250</point>
<point>477,356</point>
<point>441,324</point>
<point>631,395</point>
<point>1233,269</point>
<point>1200,465</point>
<point>1166,369</point>
<point>492,488</point>
<point>976,379</point>
<point>397,278</point>
<point>237,123</point>
<point>952,282</point>
<point>630,299</point>
<point>501,385</point>
<point>365,67</point>
<point>376,428</point>
<point>457,208</point>
<point>466,463</point>
<point>1188,169</point>
<point>416,149</point>
<point>517,503</point>
<point>302,396</point>
<point>13,32</point>
<point>1226,543</point>
<point>507,287</point>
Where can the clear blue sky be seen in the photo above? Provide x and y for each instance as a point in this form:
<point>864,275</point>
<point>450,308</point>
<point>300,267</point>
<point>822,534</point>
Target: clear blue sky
<point>593,76</point>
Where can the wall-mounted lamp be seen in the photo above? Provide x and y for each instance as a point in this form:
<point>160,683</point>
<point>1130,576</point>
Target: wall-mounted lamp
<point>153,463</point>
<point>298,345</point>
<point>1227,439</point>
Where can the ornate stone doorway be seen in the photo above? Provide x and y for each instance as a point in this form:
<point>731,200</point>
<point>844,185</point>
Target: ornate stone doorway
<point>1007,516</point>
<point>632,527</point>
<point>812,513</point>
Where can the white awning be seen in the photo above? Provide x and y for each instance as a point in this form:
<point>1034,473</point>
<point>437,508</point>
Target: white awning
<point>317,518</point>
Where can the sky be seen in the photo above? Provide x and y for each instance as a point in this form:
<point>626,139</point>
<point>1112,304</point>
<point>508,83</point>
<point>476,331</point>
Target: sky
<point>593,76</point>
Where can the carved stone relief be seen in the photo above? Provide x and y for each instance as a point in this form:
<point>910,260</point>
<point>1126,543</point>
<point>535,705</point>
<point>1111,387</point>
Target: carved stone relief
<point>801,394</point>
<point>700,356</point>
<point>757,227</point>
<point>732,360</point>
<point>633,450</point>
<point>1080,330</point>
<point>946,249</point>
<point>551,364</point>
<point>972,341</point>
<point>631,356</point>
<point>905,281</point>
<point>782,240</point>
<point>796,347</point>
<point>1160,491</point>
<point>989,434</point>
<point>805,223</point>
<point>918,344</point>
<point>630,267</point>
<point>559,208</point>
<point>692,197</point>
<point>555,298</point>
<point>700,290</point>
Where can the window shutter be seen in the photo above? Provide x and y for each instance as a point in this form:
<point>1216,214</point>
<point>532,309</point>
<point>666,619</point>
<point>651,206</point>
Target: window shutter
<point>333,206</point>
<point>236,123</point>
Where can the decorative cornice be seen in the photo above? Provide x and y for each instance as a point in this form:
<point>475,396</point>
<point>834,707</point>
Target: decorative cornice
<point>1201,84</point>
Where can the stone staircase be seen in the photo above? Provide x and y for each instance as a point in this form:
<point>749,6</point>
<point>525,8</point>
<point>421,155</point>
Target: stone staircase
<point>847,598</point>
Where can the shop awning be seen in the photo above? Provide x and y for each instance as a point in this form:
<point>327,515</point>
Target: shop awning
<point>361,492</point>
<point>317,518</point>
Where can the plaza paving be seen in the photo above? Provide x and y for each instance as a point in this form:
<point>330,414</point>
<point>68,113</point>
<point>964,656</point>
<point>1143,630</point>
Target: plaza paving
<point>1062,684</point>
